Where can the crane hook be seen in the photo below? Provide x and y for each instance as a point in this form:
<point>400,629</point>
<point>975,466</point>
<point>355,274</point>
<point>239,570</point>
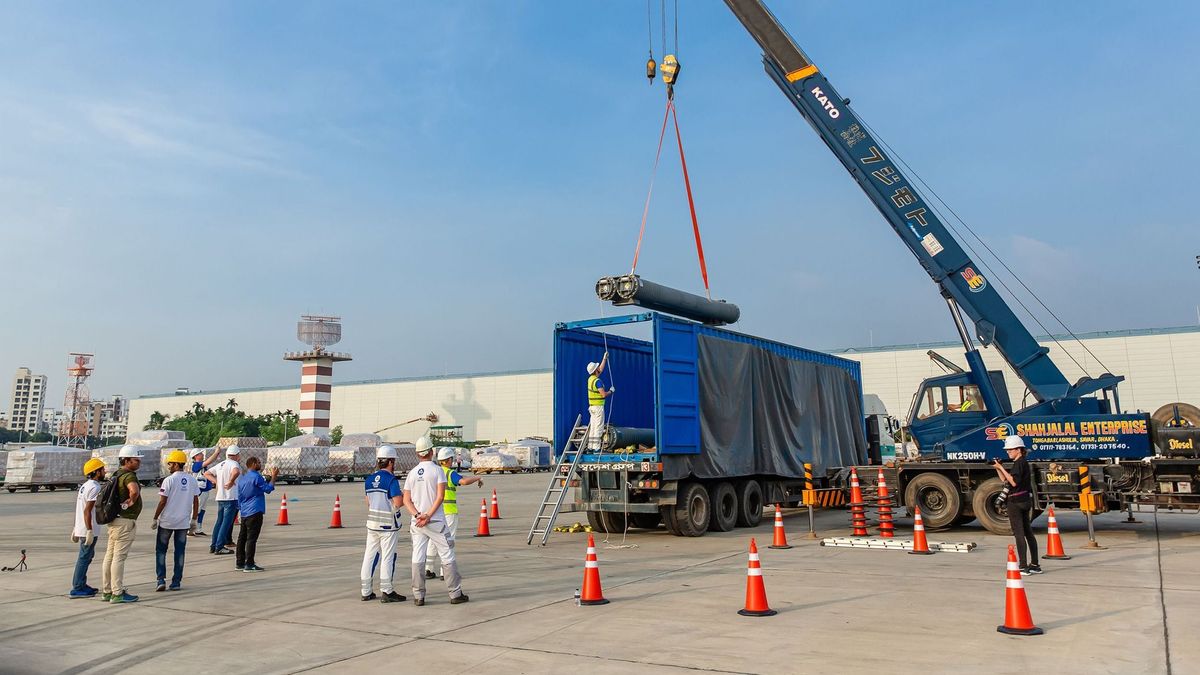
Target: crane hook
<point>651,69</point>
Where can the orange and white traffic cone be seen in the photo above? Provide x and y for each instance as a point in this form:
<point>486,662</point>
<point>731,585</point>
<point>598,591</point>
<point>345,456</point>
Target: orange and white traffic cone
<point>483,530</point>
<point>858,517</point>
<point>920,545</point>
<point>283,517</point>
<point>780,536</point>
<point>1054,545</point>
<point>494,514</point>
<point>1017,619</point>
<point>886,527</point>
<point>335,523</point>
<point>756,591</point>
<point>592,593</point>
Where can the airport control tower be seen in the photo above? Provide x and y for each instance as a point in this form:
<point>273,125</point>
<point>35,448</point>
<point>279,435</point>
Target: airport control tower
<point>316,374</point>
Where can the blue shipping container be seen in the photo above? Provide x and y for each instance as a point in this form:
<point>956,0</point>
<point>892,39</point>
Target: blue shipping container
<point>659,381</point>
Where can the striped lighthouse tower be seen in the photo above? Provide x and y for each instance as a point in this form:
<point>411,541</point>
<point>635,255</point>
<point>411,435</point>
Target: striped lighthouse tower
<point>316,370</point>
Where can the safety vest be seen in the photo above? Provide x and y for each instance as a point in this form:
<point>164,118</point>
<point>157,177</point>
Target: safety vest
<point>594,395</point>
<point>450,502</point>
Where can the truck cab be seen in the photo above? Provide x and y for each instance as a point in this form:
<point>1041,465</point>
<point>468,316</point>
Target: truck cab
<point>948,406</point>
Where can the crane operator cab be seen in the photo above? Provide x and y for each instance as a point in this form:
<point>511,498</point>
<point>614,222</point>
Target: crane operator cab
<point>949,405</point>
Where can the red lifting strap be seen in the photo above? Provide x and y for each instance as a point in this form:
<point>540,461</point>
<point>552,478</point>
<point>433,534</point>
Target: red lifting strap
<point>691,204</point>
<point>646,209</point>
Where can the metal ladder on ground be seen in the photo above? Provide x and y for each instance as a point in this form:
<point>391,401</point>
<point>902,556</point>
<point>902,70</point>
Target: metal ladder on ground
<point>556,491</point>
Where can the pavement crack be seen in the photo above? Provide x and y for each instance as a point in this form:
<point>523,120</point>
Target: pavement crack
<point>1162,595</point>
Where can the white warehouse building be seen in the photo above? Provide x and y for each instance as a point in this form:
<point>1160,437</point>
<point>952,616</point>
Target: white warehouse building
<point>1160,366</point>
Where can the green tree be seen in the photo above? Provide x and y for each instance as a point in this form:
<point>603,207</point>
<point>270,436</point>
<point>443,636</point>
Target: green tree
<point>335,435</point>
<point>280,426</point>
<point>157,420</point>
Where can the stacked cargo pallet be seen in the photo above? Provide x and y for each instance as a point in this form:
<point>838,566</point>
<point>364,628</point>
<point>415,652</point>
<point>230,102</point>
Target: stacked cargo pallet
<point>296,464</point>
<point>45,466</point>
<point>250,446</point>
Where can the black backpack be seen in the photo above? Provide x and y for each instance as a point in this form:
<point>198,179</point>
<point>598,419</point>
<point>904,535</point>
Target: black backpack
<point>108,502</point>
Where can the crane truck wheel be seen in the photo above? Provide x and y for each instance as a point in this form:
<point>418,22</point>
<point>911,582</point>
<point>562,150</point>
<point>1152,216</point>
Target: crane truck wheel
<point>593,518</point>
<point>693,510</point>
<point>724,502</point>
<point>938,497</point>
<point>667,512</point>
<point>612,522</point>
<point>750,503</point>
<point>994,519</point>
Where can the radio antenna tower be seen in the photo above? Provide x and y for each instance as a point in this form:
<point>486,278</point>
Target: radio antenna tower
<point>316,369</point>
<point>74,430</point>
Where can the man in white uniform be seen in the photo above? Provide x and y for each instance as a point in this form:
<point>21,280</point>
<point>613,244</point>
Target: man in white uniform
<point>424,491</point>
<point>384,502</point>
<point>224,476</point>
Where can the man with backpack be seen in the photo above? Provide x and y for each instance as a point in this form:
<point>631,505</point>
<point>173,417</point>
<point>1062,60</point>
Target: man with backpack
<point>124,496</point>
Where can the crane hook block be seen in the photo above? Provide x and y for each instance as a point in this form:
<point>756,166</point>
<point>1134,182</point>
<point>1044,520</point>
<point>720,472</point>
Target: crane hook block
<point>651,69</point>
<point>670,69</point>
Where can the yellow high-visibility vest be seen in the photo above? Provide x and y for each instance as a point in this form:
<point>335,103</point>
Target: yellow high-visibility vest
<point>594,395</point>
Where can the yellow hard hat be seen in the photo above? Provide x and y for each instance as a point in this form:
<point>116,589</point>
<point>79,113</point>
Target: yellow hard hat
<point>177,457</point>
<point>93,464</point>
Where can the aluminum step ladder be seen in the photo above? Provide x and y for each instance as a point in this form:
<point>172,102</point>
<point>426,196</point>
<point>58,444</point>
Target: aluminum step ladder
<point>560,482</point>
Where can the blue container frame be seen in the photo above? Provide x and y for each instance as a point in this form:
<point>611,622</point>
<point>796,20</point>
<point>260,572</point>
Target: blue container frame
<point>658,381</point>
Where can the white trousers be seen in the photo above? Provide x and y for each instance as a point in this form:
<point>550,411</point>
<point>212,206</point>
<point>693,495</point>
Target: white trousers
<point>381,551</point>
<point>452,528</point>
<point>437,533</point>
<point>595,426</point>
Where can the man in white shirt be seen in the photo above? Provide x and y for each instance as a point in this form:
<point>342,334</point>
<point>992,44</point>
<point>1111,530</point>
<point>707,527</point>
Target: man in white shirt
<point>86,530</point>
<point>224,476</point>
<point>178,502</point>
<point>424,491</point>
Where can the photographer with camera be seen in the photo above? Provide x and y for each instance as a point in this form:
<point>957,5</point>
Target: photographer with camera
<point>1018,490</point>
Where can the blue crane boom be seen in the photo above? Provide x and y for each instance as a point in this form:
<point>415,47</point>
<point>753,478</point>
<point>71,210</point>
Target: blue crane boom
<point>959,279</point>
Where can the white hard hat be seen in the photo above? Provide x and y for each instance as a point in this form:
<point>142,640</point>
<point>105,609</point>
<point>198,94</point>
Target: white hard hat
<point>445,453</point>
<point>1014,442</point>
<point>129,452</point>
<point>233,450</point>
<point>424,445</point>
<point>198,451</point>
<point>591,368</point>
<point>386,452</point>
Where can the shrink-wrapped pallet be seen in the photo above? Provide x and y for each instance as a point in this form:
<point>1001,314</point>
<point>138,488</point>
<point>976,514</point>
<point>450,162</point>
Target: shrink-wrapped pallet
<point>3,463</point>
<point>307,441</point>
<point>494,460</point>
<point>46,465</point>
<point>358,461</point>
<point>304,462</point>
<point>361,440</point>
<point>151,468</point>
<point>406,457</point>
<point>250,446</point>
<point>531,453</point>
<point>154,436</point>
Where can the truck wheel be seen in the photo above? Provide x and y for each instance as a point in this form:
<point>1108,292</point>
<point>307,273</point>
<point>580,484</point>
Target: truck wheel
<point>993,519</point>
<point>724,505</point>
<point>668,519</point>
<point>750,503</point>
<point>693,510</point>
<point>612,522</point>
<point>938,498</point>
<point>967,515</point>
<point>645,521</point>
<point>593,518</point>
<point>34,488</point>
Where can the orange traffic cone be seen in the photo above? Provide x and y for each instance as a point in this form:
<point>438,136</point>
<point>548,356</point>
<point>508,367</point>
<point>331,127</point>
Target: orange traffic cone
<point>858,518</point>
<point>1054,545</point>
<point>483,530</point>
<point>756,592</point>
<point>920,545</point>
<point>495,512</point>
<point>283,517</point>
<point>886,528</point>
<point>780,536</point>
<point>1017,619</point>
<point>592,593</point>
<point>335,523</point>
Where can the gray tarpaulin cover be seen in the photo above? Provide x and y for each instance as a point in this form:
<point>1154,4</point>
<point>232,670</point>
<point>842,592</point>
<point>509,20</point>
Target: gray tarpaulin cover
<point>765,414</point>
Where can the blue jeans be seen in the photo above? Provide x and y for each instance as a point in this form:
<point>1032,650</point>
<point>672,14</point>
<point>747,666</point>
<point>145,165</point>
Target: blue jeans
<point>86,553</point>
<point>226,511</point>
<point>160,554</point>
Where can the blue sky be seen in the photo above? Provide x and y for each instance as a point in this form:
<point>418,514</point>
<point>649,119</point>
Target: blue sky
<point>179,182</point>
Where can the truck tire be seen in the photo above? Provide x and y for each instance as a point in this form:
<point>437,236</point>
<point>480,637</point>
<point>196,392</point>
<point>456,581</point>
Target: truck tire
<point>750,503</point>
<point>593,518</point>
<point>724,502</point>
<point>938,497</point>
<point>34,488</point>
<point>693,510</point>
<point>612,523</point>
<point>967,515</point>
<point>667,513</point>
<point>994,520</point>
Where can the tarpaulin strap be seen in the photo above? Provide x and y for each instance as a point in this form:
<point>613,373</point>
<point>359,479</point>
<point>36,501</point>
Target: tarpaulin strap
<point>646,209</point>
<point>691,203</point>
